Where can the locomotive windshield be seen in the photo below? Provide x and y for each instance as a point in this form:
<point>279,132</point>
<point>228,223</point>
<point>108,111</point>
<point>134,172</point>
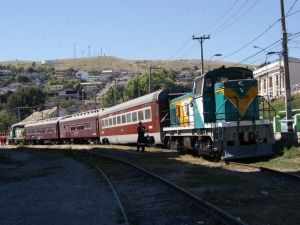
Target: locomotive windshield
<point>229,76</point>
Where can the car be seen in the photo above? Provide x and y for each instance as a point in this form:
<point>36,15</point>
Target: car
<point>283,125</point>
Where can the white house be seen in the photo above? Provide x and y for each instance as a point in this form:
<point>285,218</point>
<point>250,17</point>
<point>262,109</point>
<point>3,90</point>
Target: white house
<point>82,75</point>
<point>96,79</point>
<point>47,62</point>
<point>54,87</point>
<point>271,81</point>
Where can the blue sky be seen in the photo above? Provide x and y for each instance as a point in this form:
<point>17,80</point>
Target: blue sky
<point>36,30</point>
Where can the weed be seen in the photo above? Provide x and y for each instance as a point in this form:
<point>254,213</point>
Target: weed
<point>291,153</point>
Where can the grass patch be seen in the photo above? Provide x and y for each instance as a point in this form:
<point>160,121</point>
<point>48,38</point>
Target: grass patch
<point>201,176</point>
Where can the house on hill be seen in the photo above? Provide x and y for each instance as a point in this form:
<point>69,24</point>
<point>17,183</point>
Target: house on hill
<point>46,114</point>
<point>82,75</point>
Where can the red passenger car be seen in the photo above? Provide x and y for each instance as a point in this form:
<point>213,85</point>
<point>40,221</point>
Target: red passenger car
<point>43,131</point>
<point>80,127</point>
<point>118,124</point>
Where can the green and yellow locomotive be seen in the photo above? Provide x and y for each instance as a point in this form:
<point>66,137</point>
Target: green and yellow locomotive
<point>221,117</point>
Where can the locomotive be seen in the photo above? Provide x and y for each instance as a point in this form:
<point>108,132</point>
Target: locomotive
<point>221,117</point>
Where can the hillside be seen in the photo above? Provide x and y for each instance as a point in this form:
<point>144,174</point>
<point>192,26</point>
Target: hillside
<point>109,62</point>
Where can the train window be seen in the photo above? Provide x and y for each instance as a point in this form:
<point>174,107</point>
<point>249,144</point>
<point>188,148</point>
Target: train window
<point>110,121</point>
<point>134,116</point>
<point>118,120</point>
<point>73,128</point>
<point>141,115</point>
<point>123,118</point>
<point>128,117</point>
<point>103,123</point>
<point>198,86</point>
<point>106,122</point>
<point>208,85</point>
<point>147,114</point>
<point>79,127</point>
<point>114,120</point>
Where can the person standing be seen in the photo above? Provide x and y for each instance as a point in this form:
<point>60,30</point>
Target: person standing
<point>33,139</point>
<point>141,141</point>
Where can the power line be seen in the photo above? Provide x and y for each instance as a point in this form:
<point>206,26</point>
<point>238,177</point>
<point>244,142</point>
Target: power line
<point>229,18</point>
<point>218,19</point>
<point>237,18</point>
<point>250,41</point>
<point>189,51</point>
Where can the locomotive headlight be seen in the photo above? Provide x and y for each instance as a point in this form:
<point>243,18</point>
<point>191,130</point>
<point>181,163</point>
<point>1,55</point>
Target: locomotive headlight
<point>241,85</point>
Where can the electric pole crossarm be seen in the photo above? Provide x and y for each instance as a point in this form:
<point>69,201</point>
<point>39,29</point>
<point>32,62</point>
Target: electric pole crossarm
<point>201,40</point>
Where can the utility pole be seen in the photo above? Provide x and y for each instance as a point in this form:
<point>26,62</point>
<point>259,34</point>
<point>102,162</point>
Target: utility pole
<point>288,104</point>
<point>95,99</point>
<point>57,106</point>
<point>115,94</point>
<point>139,88</point>
<point>201,40</point>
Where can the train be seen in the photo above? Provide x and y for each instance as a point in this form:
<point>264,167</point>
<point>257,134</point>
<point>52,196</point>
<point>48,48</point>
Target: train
<point>220,117</point>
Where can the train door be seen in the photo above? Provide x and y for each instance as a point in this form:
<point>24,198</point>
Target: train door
<point>97,127</point>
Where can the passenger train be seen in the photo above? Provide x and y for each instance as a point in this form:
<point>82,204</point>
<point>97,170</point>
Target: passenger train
<point>220,117</point>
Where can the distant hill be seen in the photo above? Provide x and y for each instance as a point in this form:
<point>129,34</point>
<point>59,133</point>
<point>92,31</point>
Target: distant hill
<point>108,62</point>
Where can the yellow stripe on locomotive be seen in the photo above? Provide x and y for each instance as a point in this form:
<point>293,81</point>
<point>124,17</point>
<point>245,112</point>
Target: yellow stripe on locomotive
<point>236,100</point>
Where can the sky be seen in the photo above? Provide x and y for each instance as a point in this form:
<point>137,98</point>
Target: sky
<point>36,30</point>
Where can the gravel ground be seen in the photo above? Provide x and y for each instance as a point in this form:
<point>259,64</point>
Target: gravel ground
<point>51,189</point>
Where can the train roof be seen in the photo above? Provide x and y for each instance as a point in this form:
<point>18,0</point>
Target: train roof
<point>87,114</point>
<point>167,93</point>
<point>20,124</point>
<point>42,122</point>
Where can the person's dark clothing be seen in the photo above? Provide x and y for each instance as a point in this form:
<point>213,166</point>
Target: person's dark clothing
<point>141,141</point>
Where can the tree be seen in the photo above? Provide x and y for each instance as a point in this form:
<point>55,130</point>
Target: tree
<point>28,97</point>
<point>160,79</point>
<point>22,78</point>
<point>6,120</point>
<point>30,70</point>
<point>107,98</point>
<point>70,101</point>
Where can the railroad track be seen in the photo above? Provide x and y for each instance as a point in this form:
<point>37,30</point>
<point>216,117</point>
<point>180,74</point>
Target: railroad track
<point>264,169</point>
<point>144,196</point>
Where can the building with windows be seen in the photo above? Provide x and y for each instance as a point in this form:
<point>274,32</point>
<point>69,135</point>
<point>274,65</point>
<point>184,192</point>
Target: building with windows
<point>271,80</point>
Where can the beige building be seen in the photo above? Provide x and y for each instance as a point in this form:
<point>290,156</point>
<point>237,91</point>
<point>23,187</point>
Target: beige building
<point>271,78</point>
